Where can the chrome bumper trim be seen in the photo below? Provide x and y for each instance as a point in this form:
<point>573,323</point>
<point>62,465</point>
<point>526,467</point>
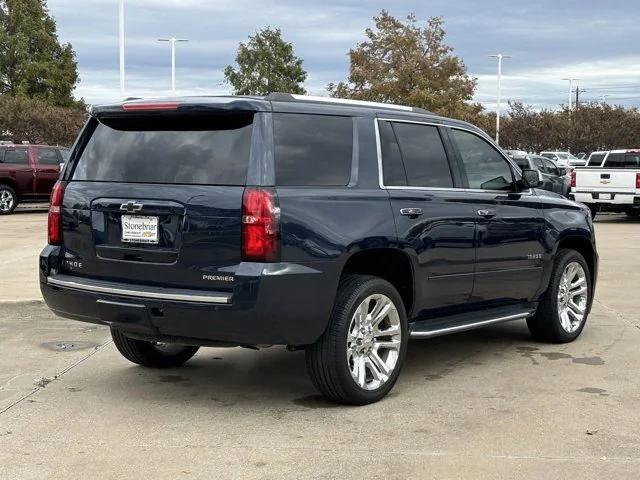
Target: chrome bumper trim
<point>137,291</point>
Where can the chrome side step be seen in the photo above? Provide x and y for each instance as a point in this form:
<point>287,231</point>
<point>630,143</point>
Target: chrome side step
<point>436,327</point>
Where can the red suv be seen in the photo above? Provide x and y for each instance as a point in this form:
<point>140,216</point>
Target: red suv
<point>28,172</point>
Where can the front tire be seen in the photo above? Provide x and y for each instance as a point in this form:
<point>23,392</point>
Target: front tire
<point>562,313</point>
<point>8,199</point>
<point>358,358</point>
<point>152,354</point>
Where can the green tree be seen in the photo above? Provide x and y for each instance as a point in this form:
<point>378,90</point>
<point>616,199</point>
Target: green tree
<point>37,121</point>
<point>266,64</point>
<point>33,62</point>
<point>401,62</point>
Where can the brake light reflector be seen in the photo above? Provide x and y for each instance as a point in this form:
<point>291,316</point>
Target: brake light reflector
<point>260,225</point>
<point>146,107</point>
<point>54,222</point>
<point>573,179</point>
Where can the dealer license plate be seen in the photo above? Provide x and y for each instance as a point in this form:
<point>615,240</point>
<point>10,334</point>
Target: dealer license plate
<point>139,229</point>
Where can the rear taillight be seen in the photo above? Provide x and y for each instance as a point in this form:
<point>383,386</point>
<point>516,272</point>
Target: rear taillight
<point>637,180</point>
<point>54,227</point>
<point>260,225</point>
<point>573,179</point>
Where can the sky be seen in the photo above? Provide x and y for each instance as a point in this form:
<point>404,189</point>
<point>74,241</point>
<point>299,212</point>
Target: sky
<point>548,40</point>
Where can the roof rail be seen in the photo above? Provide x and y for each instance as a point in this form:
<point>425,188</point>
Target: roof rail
<point>290,97</point>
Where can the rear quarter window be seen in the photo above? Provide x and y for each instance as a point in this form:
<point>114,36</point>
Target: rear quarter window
<point>312,150</point>
<point>198,150</point>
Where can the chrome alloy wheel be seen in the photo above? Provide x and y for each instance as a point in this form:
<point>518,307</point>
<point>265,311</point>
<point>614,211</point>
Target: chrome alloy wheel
<point>6,200</point>
<point>373,344</point>
<point>572,297</point>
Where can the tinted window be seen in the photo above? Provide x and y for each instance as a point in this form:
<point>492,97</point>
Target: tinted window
<point>48,156</point>
<point>392,167</point>
<point>537,163</point>
<point>595,160</point>
<point>192,150</point>
<point>423,154</point>
<point>551,168</point>
<point>312,149</point>
<point>17,156</point>
<point>623,160</point>
<point>486,169</point>
<point>522,162</point>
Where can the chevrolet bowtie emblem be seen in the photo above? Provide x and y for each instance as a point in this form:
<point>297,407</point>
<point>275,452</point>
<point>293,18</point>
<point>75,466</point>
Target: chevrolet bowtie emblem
<point>131,207</point>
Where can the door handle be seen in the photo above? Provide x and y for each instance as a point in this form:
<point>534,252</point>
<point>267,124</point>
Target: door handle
<point>487,213</point>
<point>410,212</point>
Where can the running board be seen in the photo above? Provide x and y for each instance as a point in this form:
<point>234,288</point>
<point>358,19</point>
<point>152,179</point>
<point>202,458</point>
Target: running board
<point>435,327</point>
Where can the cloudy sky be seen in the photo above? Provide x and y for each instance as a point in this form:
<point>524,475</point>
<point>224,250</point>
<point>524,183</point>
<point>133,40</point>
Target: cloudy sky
<point>549,39</point>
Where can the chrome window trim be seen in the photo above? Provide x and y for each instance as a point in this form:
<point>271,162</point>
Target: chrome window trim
<point>97,286</point>
<point>441,189</point>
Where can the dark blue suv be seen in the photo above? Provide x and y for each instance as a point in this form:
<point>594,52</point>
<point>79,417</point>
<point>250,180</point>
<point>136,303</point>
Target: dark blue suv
<point>341,227</point>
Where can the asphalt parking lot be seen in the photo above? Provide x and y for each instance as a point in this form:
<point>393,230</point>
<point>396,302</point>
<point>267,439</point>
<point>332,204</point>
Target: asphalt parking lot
<point>487,404</point>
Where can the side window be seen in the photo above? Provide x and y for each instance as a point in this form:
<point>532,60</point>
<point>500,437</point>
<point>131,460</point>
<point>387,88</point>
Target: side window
<point>48,156</point>
<point>423,154</point>
<point>16,156</point>
<point>551,168</point>
<point>393,171</point>
<point>539,165</point>
<point>486,169</point>
<point>312,149</point>
<point>523,163</point>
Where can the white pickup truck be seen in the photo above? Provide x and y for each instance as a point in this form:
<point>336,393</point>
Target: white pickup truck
<point>612,187</point>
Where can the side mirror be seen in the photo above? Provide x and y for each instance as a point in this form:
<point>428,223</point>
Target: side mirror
<point>531,178</point>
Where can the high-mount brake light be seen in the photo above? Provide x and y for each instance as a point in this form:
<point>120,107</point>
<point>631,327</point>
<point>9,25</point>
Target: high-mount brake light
<point>149,107</point>
<point>260,225</point>
<point>54,221</point>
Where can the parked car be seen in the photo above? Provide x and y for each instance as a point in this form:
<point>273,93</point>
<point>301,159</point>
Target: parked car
<point>27,173</point>
<point>564,159</point>
<point>339,227</point>
<point>613,187</point>
<point>596,159</point>
<point>553,179</point>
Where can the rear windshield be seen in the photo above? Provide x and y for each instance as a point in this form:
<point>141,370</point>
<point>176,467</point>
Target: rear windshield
<point>179,149</point>
<point>595,160</point>
<point>623,160</point>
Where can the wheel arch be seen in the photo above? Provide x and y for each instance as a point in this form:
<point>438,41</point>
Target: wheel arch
<point>9,182</point>
<point>585,247</point>
<point>390,264</point>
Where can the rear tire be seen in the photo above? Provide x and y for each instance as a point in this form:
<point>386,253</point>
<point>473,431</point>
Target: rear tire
<point>150,354</point>
<point>358,358</point>
<point>594,210</point>
<point>8,199</point>
<point>556,320</point>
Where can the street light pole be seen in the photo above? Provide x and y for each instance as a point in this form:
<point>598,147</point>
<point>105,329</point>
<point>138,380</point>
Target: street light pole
<point>173,42</point>
<point>570,80</point>
<point>121,34</point>
<point>499,56</point>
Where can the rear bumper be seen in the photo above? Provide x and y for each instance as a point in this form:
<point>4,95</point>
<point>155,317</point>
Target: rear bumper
<point>278,303</point>
<point>621,199</point>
